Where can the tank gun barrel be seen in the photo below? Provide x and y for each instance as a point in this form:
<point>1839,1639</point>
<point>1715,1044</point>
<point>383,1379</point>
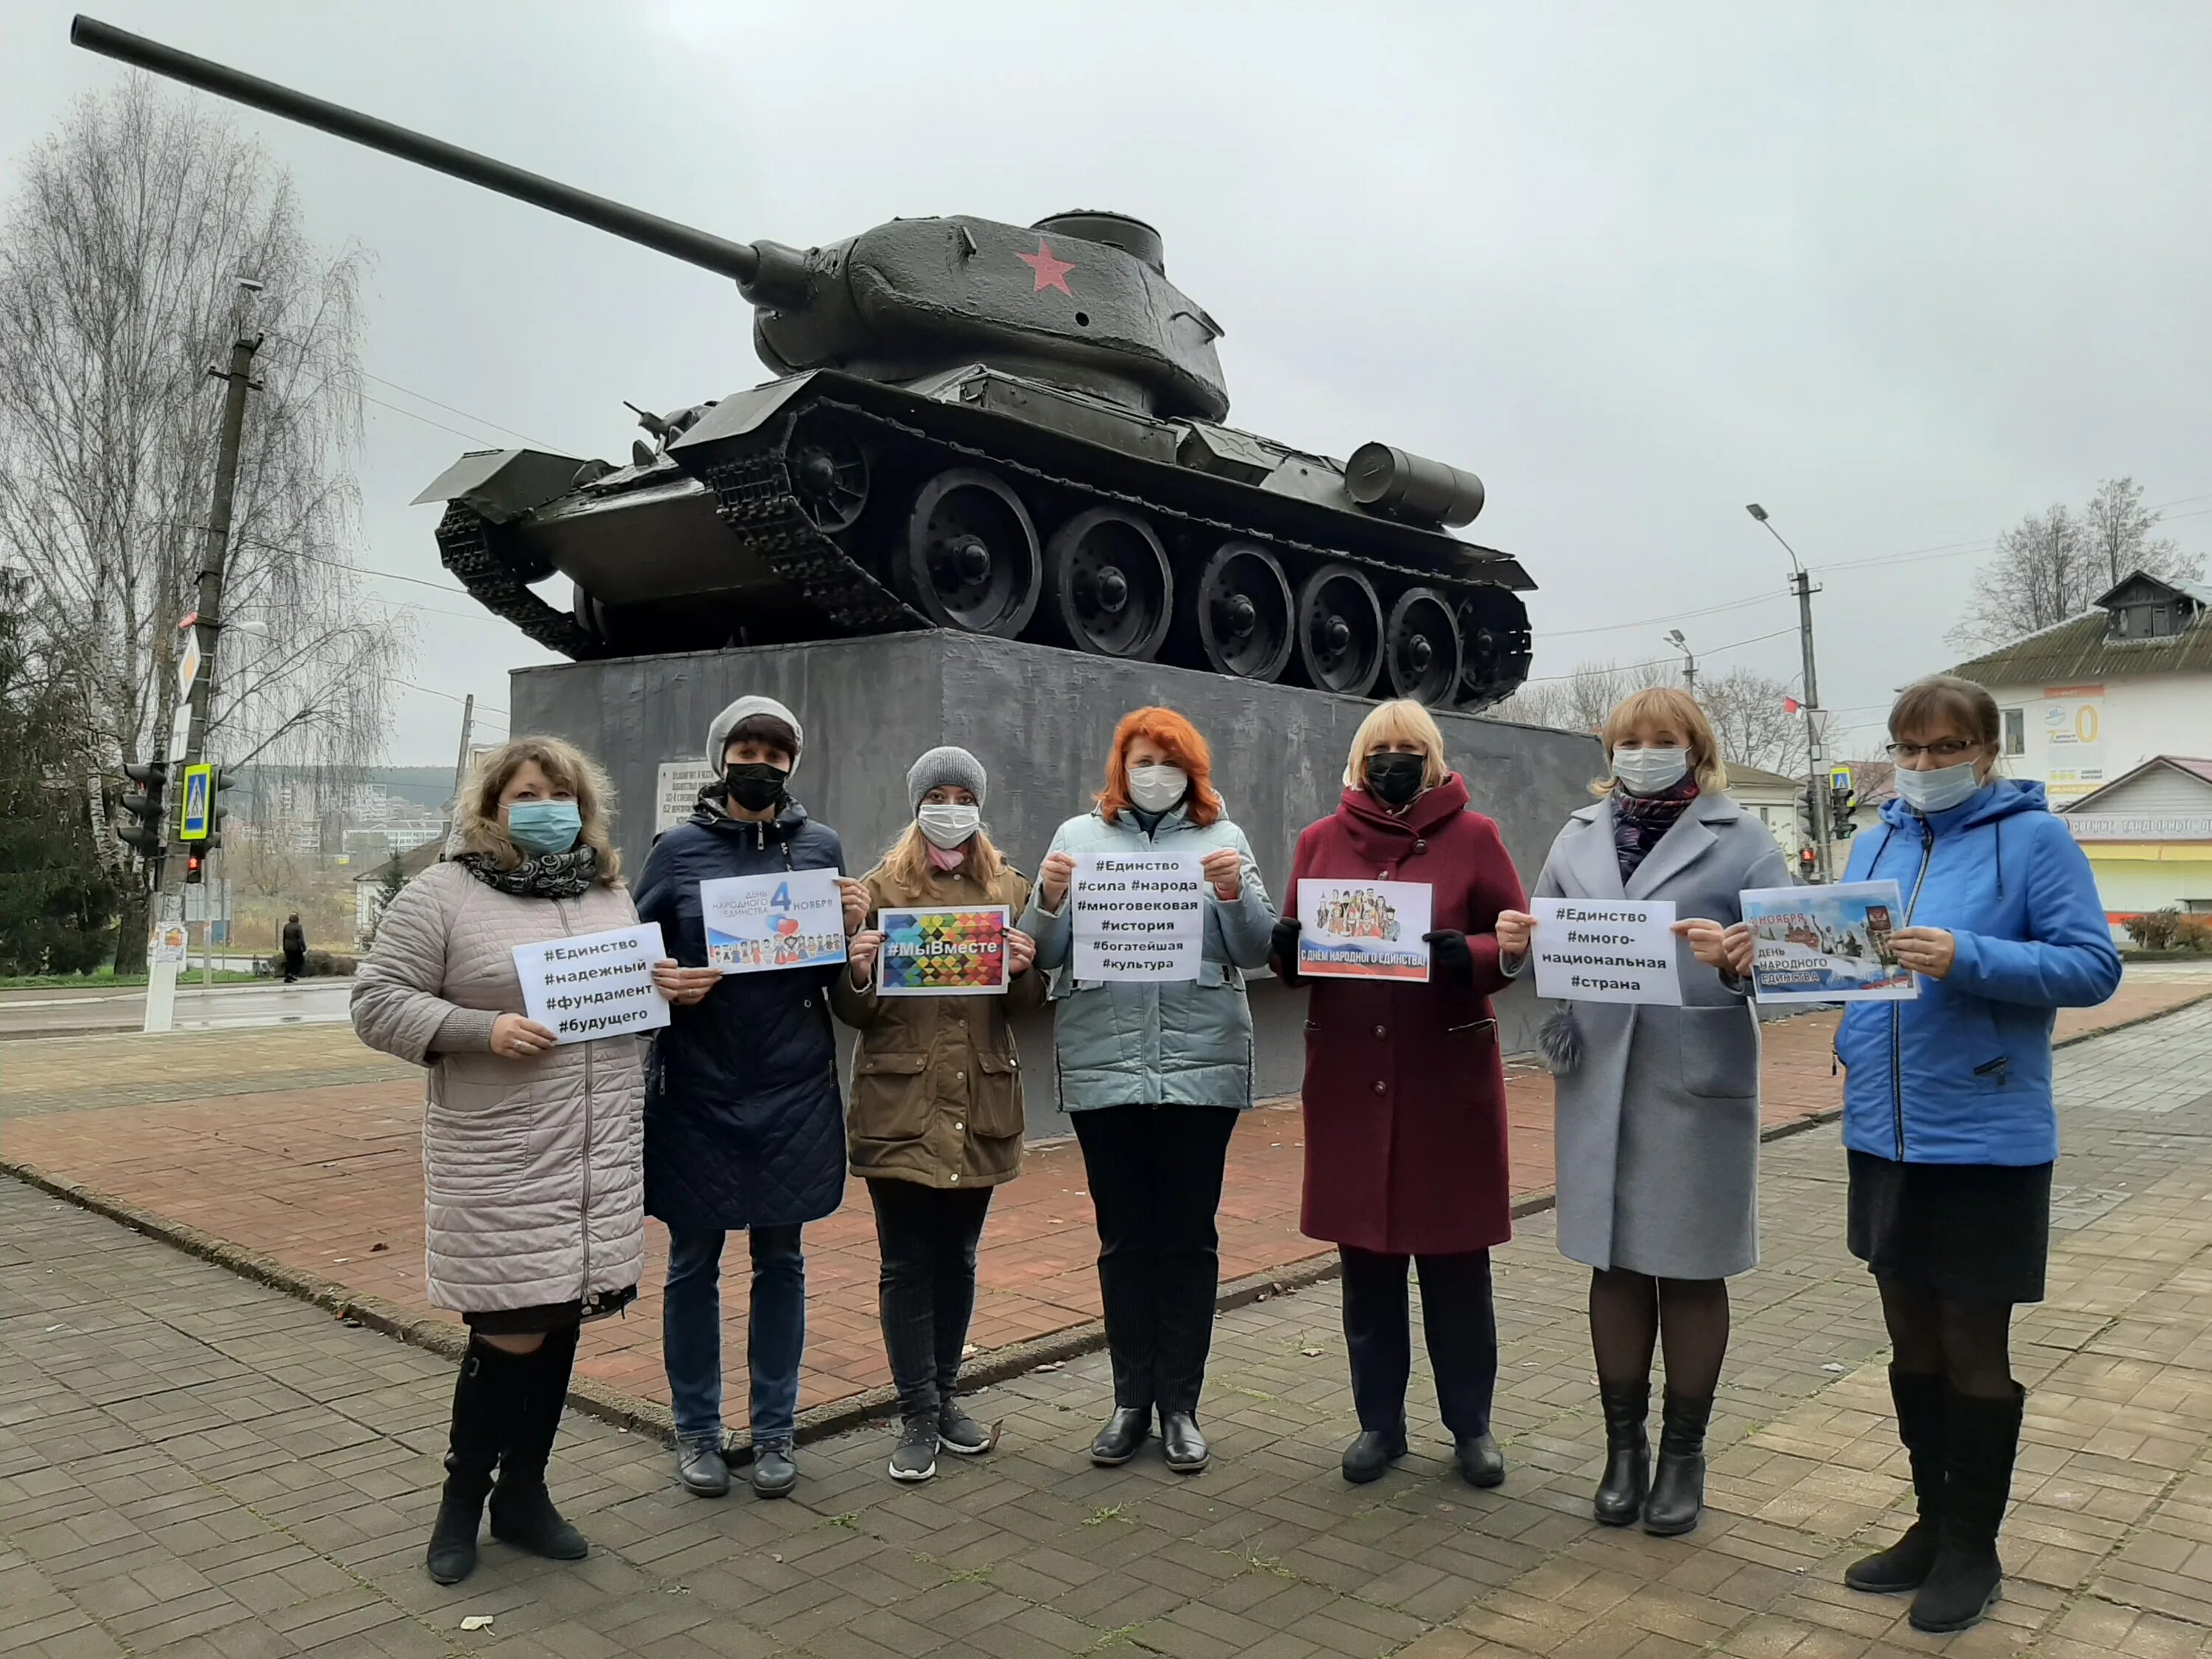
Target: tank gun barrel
<point>738,260</point>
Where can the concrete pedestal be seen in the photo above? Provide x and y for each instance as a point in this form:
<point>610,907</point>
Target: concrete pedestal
<point>1040,719</point>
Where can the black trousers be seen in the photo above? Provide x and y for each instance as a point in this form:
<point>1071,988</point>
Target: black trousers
<point>927,1239</point>
<point>1459,1319</point>
<point>1155,1175</point>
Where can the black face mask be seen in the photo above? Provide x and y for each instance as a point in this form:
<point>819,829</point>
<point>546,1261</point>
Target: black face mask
<point>755,785</point>
<point>1395,779</point>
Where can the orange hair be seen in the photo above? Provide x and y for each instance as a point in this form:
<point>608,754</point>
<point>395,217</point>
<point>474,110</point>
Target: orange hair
<point>1180,739</point>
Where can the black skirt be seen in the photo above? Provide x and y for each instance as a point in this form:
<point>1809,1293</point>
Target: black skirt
<point>547,1317</point>
<point>1967,1232</point>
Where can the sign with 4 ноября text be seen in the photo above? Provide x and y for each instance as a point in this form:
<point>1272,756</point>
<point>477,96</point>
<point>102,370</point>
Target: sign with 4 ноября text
<point>762,924</point>
<point>1138,916</point>
<point>1605,950</point>
<point>593,985</point>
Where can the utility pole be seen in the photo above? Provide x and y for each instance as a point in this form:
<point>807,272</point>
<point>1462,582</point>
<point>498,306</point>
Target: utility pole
<point>461,760</point>
<point>238,378</point>
<point>1801,584</point>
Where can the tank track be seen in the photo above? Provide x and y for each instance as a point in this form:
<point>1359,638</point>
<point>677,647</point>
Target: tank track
<point>464,548</point>
<point>753,495</point>
<point>1439,579</point>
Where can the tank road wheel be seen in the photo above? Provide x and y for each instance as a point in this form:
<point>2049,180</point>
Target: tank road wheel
<point>970,558</point>
<point>1339,631</point>
<point>1493,624</point>
<point>1421,650</point>
<point>828,472</point>
<point>1245,612</point>
<point>1112,592</point>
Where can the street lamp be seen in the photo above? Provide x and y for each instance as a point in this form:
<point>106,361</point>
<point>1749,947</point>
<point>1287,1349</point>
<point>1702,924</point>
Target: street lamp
<point>1801,584</point>
<point>1689,660</point>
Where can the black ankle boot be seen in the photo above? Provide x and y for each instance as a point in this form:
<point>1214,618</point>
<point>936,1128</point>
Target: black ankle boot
<point>1677,1498</point>
<point>1919,1398</point>
<point>1621,1495</point>
<point>483,1405</point>
<point>1981,1437</point>
<point>522,1512</point>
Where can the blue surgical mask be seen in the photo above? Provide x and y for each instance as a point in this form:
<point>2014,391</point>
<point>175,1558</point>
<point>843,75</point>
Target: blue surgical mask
<point>544,826</point>
<point>1936,791</point>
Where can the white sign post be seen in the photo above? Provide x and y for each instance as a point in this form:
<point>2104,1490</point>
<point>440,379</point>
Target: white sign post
<point>1605,950</point>
<point>1139,916</point>
<point>593,985</point>
<point>165,954</point>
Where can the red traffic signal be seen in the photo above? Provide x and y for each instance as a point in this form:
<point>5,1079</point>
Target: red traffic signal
<point>195,864</point>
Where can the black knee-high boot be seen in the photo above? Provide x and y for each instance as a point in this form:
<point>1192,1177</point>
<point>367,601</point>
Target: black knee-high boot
<point>1920,1400</point>
<point>522,1512</point>
<point>486,1401</point>
<point>1981,1437</point>
<point>1677,1499</point>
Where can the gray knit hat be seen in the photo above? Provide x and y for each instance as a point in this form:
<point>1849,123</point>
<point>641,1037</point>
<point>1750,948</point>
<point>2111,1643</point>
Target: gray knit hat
<point>719,729</point>
<point>943,767</point>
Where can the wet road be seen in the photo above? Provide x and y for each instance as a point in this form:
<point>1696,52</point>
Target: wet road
<point>199,1008</point>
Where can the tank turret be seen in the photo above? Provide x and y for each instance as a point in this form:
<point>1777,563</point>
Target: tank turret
<point>1010,429</point>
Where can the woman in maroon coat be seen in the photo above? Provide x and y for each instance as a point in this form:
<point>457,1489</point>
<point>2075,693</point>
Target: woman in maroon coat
<point>1405,1093</point>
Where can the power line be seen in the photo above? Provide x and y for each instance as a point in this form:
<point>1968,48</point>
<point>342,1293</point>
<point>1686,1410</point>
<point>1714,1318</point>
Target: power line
<point>447,695</point>
<point>1652,662</point>
<point>466,415</point>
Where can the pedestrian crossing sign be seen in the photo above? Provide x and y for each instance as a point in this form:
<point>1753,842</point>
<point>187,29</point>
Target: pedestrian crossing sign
<point>198,813</point>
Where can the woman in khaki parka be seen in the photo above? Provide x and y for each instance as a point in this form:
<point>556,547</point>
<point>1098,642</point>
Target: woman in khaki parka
<point>935,1118</point>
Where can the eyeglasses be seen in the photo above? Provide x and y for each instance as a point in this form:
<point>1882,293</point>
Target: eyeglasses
<point>1949,749</point>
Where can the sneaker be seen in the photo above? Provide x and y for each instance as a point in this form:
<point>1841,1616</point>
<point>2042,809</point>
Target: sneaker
<point>700,1467</point>
<point>775,1473</point>
<point>915,1458</point>
<point>957,1431</point>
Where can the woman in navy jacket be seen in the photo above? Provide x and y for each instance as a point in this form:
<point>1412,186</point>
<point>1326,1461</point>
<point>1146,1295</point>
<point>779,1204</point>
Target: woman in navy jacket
<point>744,1125</point>
<point>1949,1123</point>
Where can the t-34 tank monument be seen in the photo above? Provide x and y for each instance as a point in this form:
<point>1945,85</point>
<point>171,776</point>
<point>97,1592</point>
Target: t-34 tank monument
<point>988,500</point>
<point>1006,431</point>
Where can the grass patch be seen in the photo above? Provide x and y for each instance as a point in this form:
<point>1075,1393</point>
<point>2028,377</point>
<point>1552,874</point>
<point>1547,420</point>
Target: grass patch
<point>1100,1517</point>
<point>107,979</point>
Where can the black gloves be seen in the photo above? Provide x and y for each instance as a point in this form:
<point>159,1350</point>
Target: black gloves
<point>1283,950</point>
<point>1451,961</point>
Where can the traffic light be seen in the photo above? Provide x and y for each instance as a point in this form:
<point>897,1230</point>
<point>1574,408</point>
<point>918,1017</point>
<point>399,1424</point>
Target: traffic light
<point>225,776</point>
<point>149,834</point>
<point>1806,860</point>
<point>195,866</point>
<point>1842,798</point>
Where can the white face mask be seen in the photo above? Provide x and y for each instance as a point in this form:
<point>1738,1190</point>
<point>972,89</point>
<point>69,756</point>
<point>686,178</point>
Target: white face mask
<point>1648,771</point>
<point>1156,788</point>
<point>949,826</point>
<point>1938,791</point>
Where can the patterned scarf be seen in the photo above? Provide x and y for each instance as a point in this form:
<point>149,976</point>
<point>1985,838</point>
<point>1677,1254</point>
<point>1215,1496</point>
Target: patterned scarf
<point>548,875</point>
<point>1640,821</point>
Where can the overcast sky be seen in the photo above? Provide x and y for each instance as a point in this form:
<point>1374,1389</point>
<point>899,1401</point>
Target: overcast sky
<point>1901,273</point>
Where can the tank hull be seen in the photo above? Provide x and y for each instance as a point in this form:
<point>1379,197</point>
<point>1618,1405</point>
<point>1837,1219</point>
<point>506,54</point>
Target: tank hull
<point>826,505</point>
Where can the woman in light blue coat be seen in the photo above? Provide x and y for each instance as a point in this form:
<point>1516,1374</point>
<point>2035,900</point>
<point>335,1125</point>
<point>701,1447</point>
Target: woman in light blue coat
<point>1154,1076</point>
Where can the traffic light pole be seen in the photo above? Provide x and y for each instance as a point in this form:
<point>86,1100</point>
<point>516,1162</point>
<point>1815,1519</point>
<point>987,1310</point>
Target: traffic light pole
<point>1816,782</point>
<point>163,961</point>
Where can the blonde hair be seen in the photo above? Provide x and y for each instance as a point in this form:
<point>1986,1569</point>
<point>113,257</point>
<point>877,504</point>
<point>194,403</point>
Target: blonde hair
<point>906,868</point>
<point>1398,720</point>
<point>1666,705</point>
<point>565,767</point>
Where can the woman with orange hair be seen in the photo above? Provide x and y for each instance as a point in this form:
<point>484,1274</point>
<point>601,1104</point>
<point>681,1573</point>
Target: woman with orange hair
<point>1154,1076</point>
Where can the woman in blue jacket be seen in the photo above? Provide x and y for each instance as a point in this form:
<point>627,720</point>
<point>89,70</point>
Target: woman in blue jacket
<point>1155,1076</point>
<point>1949,1123</point>
<point>744,1125</point>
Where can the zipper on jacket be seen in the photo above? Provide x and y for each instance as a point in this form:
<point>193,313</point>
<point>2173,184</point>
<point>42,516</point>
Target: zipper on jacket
<point>584,1220</point>
<point>1896,1019</point>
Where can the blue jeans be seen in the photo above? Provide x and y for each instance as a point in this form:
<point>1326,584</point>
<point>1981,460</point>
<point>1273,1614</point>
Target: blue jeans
<point>691,1331</point>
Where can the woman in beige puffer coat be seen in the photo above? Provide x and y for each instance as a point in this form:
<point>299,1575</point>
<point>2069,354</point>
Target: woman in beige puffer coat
<point>531,1152</point>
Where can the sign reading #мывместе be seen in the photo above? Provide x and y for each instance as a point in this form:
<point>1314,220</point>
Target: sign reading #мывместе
<point>1138,915</point>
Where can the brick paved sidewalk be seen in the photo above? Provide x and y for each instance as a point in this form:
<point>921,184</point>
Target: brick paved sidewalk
<point>191,1464</point>
<point>304,1147</point>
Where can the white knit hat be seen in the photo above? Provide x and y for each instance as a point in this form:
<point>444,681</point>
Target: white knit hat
<point>719,728</point>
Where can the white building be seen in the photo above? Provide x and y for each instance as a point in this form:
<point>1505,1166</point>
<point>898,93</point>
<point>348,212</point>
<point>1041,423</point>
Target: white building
<point>1776,802</point>
<point>2149,837</point>
<point>2089,701</point>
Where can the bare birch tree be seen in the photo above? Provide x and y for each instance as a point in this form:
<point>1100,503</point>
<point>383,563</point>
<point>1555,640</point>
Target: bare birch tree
<point>2051,567</point>
<point>1752,720</point>
<point>1579,700</point>
<point>120,260</point>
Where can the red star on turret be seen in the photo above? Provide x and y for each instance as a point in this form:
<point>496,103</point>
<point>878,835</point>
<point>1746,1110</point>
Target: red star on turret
<point>1050,273</point>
